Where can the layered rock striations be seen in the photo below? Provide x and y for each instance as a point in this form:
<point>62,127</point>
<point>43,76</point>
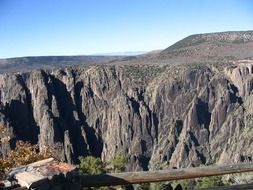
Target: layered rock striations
<point>158,115</point>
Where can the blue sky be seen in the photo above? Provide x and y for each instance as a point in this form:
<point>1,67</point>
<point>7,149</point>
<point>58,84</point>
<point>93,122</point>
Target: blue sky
<point>79,27</point>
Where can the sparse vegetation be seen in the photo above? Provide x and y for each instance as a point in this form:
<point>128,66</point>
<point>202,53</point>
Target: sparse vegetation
<point>142,74</point>
<point>119,163</point>
<point>24,153</point>
<point>214,181</point>
<point>187,183</point>
<point>91,165</point>
<point>192,40</point>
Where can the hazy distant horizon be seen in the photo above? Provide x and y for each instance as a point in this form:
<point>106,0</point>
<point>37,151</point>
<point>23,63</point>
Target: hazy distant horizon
<point>127,53</point>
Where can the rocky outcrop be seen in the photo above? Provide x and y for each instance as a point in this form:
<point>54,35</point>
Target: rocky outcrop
<point>160,116</point>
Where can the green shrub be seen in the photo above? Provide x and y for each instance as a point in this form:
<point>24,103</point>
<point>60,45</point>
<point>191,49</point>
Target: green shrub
<point>91,165</point>
<point>213,181</point>
<point>119,163</point>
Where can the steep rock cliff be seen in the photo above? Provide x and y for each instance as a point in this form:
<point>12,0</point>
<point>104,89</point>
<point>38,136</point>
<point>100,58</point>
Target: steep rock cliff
<point>158,115</point>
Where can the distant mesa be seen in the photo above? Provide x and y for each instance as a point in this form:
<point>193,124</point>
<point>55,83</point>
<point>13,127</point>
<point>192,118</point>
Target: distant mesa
<point>198,48</point>
<point>236,37</point>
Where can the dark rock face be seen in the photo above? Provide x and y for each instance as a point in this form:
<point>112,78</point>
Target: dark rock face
<point>159,116</point>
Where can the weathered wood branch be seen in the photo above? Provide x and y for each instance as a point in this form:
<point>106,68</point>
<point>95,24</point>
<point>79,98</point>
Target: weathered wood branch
<point>161,175</point>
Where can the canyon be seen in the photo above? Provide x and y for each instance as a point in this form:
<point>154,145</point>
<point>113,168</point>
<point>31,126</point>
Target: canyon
<point>187,105</point>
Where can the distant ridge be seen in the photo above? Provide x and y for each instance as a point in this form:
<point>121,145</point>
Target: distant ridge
<point>127,53</point>
<point>228,37</point>
<point>219,47</point>
<point>49,62</point>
